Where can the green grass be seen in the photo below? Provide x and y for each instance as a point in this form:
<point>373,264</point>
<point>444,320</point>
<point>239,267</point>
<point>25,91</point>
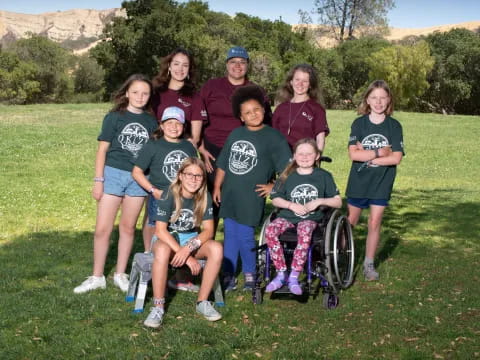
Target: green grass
<point>425,306</point>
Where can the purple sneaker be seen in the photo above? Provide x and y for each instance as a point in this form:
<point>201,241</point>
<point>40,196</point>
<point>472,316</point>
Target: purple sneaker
<point>293,284</point>
<point>276,283</point>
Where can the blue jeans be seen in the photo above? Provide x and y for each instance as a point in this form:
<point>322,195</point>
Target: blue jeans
<point>152,207</point>
<point>239,239</point>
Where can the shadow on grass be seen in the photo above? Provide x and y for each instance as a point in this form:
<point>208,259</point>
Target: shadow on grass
<point>68,254</point>
<point>430,217</point>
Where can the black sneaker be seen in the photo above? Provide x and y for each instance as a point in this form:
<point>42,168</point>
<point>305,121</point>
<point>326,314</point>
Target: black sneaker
<point>229,283</point>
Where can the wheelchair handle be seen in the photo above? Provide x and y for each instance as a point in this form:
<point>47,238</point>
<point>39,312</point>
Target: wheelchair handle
<point>326,159</point>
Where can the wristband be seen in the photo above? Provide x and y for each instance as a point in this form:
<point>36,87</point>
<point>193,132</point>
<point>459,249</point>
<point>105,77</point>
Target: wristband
<point>151,190</point>
<point>99,179</point>
<point>376,153</point>
<point>194,243</point>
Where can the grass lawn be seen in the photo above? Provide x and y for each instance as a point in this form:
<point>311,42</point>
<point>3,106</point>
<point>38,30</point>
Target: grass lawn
<point>426,305</point>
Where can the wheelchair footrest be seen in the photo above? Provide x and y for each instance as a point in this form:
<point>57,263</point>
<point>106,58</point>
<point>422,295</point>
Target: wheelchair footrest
<point>285,290</point>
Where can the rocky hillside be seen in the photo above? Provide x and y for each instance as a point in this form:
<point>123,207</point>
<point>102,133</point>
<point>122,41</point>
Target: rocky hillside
<point>76,29</point>
<point>80,29</point>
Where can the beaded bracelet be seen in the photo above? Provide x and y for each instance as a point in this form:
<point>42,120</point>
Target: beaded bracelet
<point>158,301</point>
<point>194,243</point>
<point>99,179</point>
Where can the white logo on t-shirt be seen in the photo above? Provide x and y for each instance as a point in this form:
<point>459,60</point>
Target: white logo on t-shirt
<point>184,222</point>
<point>303,194</point>
<point>183,102</point>
<point>308,116</point>
<point>172,163</point>
<point>133,137</point>
<point>243,157</point>
<point>374,141</point>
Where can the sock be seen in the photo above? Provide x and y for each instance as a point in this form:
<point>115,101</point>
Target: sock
<point>294,274</point>
<point>368,261</point>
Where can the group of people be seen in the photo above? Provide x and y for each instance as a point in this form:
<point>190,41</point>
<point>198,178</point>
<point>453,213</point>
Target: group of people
<point>150,143</point>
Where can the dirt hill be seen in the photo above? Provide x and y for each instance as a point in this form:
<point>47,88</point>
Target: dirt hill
<point>325,39</point>
<point>80,29</point>
<point>76,28</point>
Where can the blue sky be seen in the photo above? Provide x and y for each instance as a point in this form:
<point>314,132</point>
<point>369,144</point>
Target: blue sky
<point>407,13</point>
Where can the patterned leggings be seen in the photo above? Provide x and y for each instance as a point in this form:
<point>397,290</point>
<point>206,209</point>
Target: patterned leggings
<point>304,234</point>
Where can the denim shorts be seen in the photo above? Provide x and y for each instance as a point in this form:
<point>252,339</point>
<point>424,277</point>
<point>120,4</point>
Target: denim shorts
<point>120,183</point>
<point>182,238</point>
<point>364,203</point>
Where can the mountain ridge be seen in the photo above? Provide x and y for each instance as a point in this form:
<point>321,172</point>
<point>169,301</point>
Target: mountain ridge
<point>80,29</point>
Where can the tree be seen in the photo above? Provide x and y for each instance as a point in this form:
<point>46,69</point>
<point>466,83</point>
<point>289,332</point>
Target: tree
<point>52,62</point>
<point>347,17</point>
<point>88,75</point>
<point>404,68</point>
<point>455,78</point>
<point>354,55</point>
<point>18,84</point>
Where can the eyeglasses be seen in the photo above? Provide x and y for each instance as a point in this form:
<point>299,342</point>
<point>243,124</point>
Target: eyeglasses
<point>191,176</point>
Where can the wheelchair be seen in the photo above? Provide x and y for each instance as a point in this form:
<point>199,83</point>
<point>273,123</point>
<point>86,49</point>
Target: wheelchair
<point>329,267</point>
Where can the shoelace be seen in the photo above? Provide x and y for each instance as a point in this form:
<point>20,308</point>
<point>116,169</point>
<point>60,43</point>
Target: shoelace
<point>157,313</point>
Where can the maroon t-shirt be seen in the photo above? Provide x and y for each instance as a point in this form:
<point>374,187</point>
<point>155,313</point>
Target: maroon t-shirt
<point>191,105</point>
<point>305,119</point>
<point>216,95</point>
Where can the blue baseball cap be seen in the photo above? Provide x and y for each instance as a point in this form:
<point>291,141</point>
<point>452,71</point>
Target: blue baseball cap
<point>237,51</point>
<point>173,112</point>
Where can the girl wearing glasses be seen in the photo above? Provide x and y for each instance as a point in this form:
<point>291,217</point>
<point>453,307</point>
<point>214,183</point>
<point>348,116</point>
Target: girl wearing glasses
<point>184,228</point>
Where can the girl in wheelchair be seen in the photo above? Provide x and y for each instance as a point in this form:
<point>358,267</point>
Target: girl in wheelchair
<point>298,193</point>
<point>181,211</point>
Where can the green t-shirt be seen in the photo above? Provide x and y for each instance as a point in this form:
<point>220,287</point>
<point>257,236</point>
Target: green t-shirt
<point>250,158</point>
<point>127,133</point>
<point>302,189</point>
<point>373,182</point>
<point>163,159</point>
<point>185,222</point>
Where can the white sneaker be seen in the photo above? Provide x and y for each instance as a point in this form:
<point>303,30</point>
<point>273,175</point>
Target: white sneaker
<point>206,309</point>
<point>92,283</point>
<point>154,319</point>
<point>121,281</point>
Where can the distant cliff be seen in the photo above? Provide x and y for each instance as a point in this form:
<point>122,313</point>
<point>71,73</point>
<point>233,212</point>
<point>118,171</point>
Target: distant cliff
<point>80,29</point>
<point>75,29</point>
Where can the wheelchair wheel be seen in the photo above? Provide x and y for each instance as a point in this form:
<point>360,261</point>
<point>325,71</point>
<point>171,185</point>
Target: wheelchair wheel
<point>257,296</point>
<point>339,252</point>
<point>343,252</point>
<point>330,301</point>
<point>262,273</point>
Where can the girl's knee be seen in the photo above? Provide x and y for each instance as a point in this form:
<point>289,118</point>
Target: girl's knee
<point>374,222</point>
<point>214,250</point>
<point>102,232</point>
<point>126,229</point>
<point>161,251</point>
